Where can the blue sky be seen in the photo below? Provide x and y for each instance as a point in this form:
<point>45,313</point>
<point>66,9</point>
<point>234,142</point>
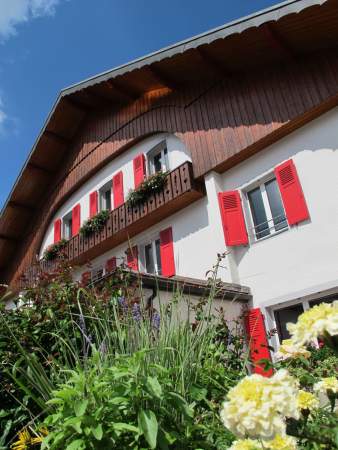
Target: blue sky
<point>46,45</point>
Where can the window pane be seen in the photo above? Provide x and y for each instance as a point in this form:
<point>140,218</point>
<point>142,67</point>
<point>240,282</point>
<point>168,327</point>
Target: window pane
<point>158,257</point>
<point>150,266</point>
<point>158,162</point>
<point>276,205</point>
<point>67,228</point>
<point>323,300</point>
<point>258,213</point>
<point>108,199</point>
<point>284,316</point>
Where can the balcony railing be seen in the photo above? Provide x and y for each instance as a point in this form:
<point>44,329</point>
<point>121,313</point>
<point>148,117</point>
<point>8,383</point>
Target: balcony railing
<point>180,190</point>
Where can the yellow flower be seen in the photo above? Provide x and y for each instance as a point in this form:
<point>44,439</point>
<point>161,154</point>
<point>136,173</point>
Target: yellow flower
<point>281,443</point>
<point>289,349</point>
<point>307,401</point>
<point>327,384</point>
<point>257,406</point>
<point>246,444</point>
<point>314,323</point>
<point>278,443</point>
<point>25,440</point>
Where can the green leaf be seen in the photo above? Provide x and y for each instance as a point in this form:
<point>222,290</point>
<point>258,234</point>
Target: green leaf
<point>198,393</point>
<point>98,432</point>
<point>120,426</point>
<point>80,407</point>
<point>75,423</point>
<point>154,387</point>
<point>76,445</point>
<point>149,426</point>
<point>181,403</point>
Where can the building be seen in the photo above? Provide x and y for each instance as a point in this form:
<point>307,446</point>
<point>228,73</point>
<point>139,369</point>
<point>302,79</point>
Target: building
<point>244,118</point>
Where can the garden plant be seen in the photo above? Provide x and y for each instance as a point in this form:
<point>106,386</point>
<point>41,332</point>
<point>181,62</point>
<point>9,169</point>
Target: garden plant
<point>99,367</point>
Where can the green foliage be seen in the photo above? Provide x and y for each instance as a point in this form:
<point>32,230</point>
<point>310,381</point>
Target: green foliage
<point>133,404</point>
<point>321,364</point>
<point>148,187</point>
<point>94,224</point>
<point>54,250</point>
<point>98,375</point>
<point>172,378</point>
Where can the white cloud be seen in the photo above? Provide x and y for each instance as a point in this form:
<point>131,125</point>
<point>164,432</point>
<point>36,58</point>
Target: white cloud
<point>14,12</point>
<point>3,117</point>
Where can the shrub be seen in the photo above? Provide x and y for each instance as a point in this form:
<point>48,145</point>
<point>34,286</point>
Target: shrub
<point>54,250</point>
<point>94,224</point>
<point>63,333</point>
<point>148,187</point>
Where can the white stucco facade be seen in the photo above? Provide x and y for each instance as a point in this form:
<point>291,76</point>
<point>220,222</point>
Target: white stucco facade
<point>177,154</point>
<point>298,262</point>
<point>303,258</point>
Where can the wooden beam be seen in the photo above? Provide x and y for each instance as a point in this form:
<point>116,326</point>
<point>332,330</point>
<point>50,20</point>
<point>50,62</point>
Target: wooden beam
<point>56,137</point>
<point>39,168</point>
<point>129,94</point>
<point>80,106</point>
<point>21,206</point>
<point>9,238</point>
<point>212,62</point>
<point>277,42</point>
<point>162,77</point>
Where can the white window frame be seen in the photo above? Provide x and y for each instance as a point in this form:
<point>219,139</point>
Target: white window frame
<point>159,148</point>
<point>96,273</point>
<point>260,183</point>
<point>151,240</point>
<point>271,323</point>
<point>102,190</point>
<point>66,219</point>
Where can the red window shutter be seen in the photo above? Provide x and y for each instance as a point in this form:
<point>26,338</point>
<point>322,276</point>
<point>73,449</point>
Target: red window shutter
<point>139,165</point>
<point>111,264</point>
<point>291,192</point>
<point>57,231</point>
<point>132,258</point>
<point>93,197</point>
<point>258,342</point>
<point>76,219</point>
<point>167,253</point>
<point>86,277</point>
<point>118,189</point>
<point>232,218</point>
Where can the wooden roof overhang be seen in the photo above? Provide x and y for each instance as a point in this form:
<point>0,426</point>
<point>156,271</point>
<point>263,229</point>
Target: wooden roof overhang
<point>283,32</point>
<point>189,286</point>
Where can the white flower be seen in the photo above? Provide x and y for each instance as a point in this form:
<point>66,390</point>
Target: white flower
<point>307,401</point>
<point>257,406</point>
<point>246,444</point>
<point>314,323</point>
<point>289,350</point>
<point>327,384</point>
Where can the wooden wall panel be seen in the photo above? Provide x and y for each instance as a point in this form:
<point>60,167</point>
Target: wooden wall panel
<point>220,125</point>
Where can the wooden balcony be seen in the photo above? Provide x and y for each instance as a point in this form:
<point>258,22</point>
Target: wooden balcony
<point>181,189</point>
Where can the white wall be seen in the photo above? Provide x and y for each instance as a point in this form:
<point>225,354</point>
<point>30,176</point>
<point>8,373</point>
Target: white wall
<point>305,257</point>
<point>177,154</point>
<point>195,248</point>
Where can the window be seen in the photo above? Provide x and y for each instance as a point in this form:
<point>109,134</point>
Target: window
<point>96,274</point>
<point>67,223</point>
<point>158,159</point>
<point>282,316</point>
<point>152,257</point>
<point>286,315</point>
<point>105,197</point>
<point>267,211</point>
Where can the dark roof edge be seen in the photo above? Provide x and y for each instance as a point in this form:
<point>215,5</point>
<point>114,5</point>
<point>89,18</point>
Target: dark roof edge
<point>190,286</point>
<point>256,19</point>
